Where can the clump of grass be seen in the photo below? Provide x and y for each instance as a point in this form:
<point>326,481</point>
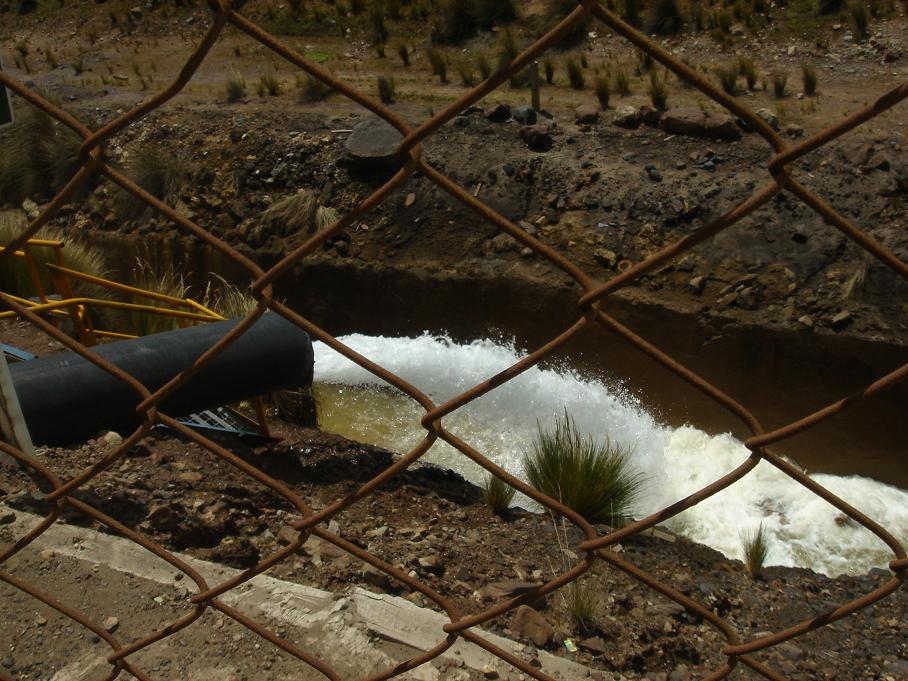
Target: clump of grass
<point>575,73</point>
<point>438,64</point>
<point>404,53</point>
<point>549,67</point>
<point>458,20</point>
<point>622,82</point>
<point>467,77</point>
<point>658,91</point>
<point>167,280</point>
<point>39,156</point>
<point>496,493</point>
<point>556,10</point>
<point>779,83</point>
<point>229,301</point>
<point>78,65</point>
<point>377,22</point>
<point>380,50</point>
<point>269,85</point>
<point>312,90</point>
<point>594,479</point>
<point>236,88</point>
<point>386,89</point>
<point>482,63</point>
<point>160,173</point>
<point>748,70</point>
<point>859,15</point>
<point>603,91</point>
<point>728,78</point>
<point>809,79</point>
<point>77,255</point>
<point>51,58</point>
<point>665,17</point>
<point>755,546</point>
<point>299,212</point>
<point>582,605</point>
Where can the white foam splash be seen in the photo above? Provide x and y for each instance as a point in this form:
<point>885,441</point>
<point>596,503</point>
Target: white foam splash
<point>803,530</point>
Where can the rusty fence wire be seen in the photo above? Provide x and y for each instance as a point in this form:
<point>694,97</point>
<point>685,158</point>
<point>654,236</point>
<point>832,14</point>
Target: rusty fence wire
<point>590,310</point>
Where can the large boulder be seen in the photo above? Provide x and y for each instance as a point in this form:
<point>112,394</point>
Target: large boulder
<point>687,121</point>
<point>373,145</point>
<point>722,128</point>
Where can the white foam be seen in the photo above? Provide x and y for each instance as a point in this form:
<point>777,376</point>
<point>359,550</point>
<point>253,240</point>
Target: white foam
<point>803,530</point>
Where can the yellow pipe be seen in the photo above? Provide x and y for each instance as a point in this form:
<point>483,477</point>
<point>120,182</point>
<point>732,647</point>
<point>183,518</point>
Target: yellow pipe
<point>115,304</point>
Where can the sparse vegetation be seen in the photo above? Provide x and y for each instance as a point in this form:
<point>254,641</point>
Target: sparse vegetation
<point>459,20</point>
<point>779,83</point>
<point>809,78</point>
<point>658,91</point>
<point>386,89</point>
<point>438,64</point>
<point>404,53</point>
<point>575,73</point>
<point>482,63</point>
<point>377,21</point>
<point>755,546</point>
<point>236,88</point>
<point>159,172</point>
<point>748,70</point>
<point>496,493</point>
<point>603,91</point>
<point>558,10</point>
<point>312,90</point>
<point>582,605</point>
<point>594,479</point>
<point>728,78</point>
<point>622,82</point>
<point>549,67</point>
<point>665,17</point>
<point>467,77</point>
<point>268,85</point>
<point>297,213</point>
<point>859,15</point>
<point>39,157</point>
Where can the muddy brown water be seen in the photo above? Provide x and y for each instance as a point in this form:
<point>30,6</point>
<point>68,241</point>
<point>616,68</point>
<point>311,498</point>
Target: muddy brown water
<point>778,376</point>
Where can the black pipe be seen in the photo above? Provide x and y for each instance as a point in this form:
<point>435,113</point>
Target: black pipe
<point>65,398</point>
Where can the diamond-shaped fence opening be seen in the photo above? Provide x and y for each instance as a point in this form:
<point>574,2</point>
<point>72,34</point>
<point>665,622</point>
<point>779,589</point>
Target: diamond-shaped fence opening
<point>595,551</point>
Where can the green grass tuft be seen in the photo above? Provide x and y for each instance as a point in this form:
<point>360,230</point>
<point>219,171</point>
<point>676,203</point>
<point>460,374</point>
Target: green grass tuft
<point>755,545</point>
<point>497,494</point>
<point>594,479</point>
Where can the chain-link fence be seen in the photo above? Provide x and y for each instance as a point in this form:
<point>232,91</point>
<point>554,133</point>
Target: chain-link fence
<point>589,311</point>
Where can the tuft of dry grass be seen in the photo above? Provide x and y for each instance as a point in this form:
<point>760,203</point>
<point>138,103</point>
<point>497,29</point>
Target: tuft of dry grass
<point>658,91</point>
<point>575,73</point>
<point>779,83</point>
<point>755,545</point>
<point>809,79</point>
<point>438,64</point>
<point>311,90</point>
<point>235,88</point>
<point>386,89</point>
<point>497,494</point>
<point>603,91</point>
<point>160,173</point>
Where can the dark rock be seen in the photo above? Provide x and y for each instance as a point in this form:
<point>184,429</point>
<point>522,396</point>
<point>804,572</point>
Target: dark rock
<point>684,121</point>
<point>499,114</point>
<point>653,173</point>
<point>27,7</point>
<point>531,626</point>
<point>722,128</point>
<point>525,115</point>
<point>768,117</point>
<point>536,138</point>
<point>373,144</point>
<point>650,116</point>
<point>586,114</point>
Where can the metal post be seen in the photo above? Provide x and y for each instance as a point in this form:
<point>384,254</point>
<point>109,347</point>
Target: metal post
<point>6,107</point>
<point>534,80</point>
<point>12,423</point>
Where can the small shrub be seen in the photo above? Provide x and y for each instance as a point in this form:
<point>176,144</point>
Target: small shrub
<point>593,479</point>
<point>386,89</point>
<point>665,17</point>
<point>549,67</point>
<point>809,78</point>
<point>270,84</point>
<point>377,21</point>
<point>575,74</point>
<point>467,77</point>
<point>497,494</point>
<point>583,60</point>
<point>297,213</point>
<point>557,10</point>
<point>39,157</point>
<point>728,78</point>
<point>747,69</point>
<point>78,65</point>
<point>404,53</point>
<point>508,46</point>
<point>658,91</point>
<point>482,63</point>
<point>236,88</point>
<point>582,605</point>
<point>622,82</point>
<point>438,64</point>
<point>779,82</point>
<point>166,280</point>
<point>159,172</point>
<point>313,90</point>
<point>603,91</point>
<point>755,547</point>
<point>644,62</point>
<point>51,58</point>
<point>859,14</point>
<point>697,16</point>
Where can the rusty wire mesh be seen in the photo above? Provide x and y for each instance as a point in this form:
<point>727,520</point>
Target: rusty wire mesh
<point>589,311</point>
